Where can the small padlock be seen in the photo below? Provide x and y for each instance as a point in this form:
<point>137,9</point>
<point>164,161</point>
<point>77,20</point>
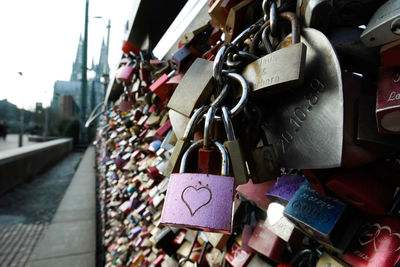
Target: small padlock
<point>266,74</point>
<point>324,218</point>
<point>128,47</point>
<point>256,193</point>
<point>194,89</point>
<point>364,191</point>
<point>390,54</point>
<point>182,58</point>
<point>200,201</point>
<point>237,256</point>
<point>267,243</point>
<point>388,100</point>
<point>163,89</point>
<point>232,145</point>
<point>284,188</point>
<point>377,244</point>
<point>384,26</point>
<point>125,73</point>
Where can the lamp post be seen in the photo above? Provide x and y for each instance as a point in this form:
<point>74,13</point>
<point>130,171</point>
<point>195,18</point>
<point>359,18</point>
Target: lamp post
<point>83,133</point>
<point>21,120</point>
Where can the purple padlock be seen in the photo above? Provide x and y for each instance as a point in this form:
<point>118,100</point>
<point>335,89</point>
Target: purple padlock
<point>284,188</point>
<point>200,201</point>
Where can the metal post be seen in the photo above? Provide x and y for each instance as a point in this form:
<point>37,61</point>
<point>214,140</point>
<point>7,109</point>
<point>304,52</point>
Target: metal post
<point>46,123</point>
<point>83,133</point>
<point>21,128</point>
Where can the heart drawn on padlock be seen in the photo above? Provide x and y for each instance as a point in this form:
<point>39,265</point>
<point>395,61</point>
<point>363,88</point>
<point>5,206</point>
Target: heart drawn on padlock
<point>385,240</point>
<point>367,234</point>
<point>196,198</point>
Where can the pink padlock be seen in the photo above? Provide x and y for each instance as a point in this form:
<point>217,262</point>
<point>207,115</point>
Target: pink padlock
<point>200,201</point>
<point>125,73</point>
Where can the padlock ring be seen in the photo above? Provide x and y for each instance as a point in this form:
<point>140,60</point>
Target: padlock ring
<point>219,62</point>
<point>194,120</point>
<point>196,145</point>
<point>208,126</point>
<point>243,99</point>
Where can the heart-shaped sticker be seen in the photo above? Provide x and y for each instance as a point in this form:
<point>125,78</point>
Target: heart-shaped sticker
<point>196,198</point>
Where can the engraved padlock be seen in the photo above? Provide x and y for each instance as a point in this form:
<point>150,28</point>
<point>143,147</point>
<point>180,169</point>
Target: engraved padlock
<point>200,201</point>
<point>266,74</point>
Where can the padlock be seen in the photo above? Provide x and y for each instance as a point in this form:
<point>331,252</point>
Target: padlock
<point>125,73</point>
<point>218,14</point>
<point>314,13</point>
<point>353,54</point>
<point>182,58</point>
<point>284,188</point>
<point>384,26</point>
<point>367,134</point>
<point>208,160</point>
<point>128,47</point>
<point>376,244</point>
<point>238,19</point>
<point>295,119</point>
<point>236,256</point>
<point>266,75</point>
<point>324,218</point>
<point>193,199</point>
<point>329,260</point>
<point>267,243</point>
<point>388,101</point>
<point>164,239</point>
<point>194,89</point>
<point>161,88</point>
<point>181,144</point>
<point>279,224</point>
<point>232,145</point>
<point>256,192</point>
<point>362,190</point>
<point>390,54</point>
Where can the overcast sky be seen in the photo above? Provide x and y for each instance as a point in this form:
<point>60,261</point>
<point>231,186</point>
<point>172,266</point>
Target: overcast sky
<point>40,38</point>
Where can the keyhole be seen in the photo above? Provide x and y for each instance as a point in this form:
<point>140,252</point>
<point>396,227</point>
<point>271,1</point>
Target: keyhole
<point>395,27</point>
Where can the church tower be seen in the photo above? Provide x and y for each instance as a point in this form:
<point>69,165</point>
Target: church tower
<point>76,74</point>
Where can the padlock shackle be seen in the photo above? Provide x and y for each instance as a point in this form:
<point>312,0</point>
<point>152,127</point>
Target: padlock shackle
<point>208,126</point>
<point>221,96</point>
<point>295,24</point>
<point>190,127</point>
<point>230,133</point>
<point>243,99</point>
<point>197,145</point>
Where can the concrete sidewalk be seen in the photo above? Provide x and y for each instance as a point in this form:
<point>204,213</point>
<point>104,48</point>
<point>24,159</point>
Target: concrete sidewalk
<point>71,237</point>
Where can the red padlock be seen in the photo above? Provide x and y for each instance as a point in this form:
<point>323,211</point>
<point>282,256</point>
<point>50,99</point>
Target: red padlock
<point>377,244</point>
<point>163,89</point>
<point>362,190</point>
<point>128,47</point>
<point>267,243</point>
<point>160,133</point>
<point>390,54</point>
<point>256,192</point>
<point>388,100</point>
<point>237,256</point>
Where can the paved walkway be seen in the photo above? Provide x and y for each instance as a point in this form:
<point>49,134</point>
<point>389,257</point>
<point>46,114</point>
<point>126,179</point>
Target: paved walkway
<point>71,237</point>
<point>26,211</point>
<point>12,142</point>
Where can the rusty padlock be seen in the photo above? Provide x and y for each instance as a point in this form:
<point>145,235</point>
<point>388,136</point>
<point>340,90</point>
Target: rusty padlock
<point>200,201</point>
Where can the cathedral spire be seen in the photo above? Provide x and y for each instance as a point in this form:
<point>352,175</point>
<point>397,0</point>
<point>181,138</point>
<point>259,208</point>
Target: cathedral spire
<point>77,65</point>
